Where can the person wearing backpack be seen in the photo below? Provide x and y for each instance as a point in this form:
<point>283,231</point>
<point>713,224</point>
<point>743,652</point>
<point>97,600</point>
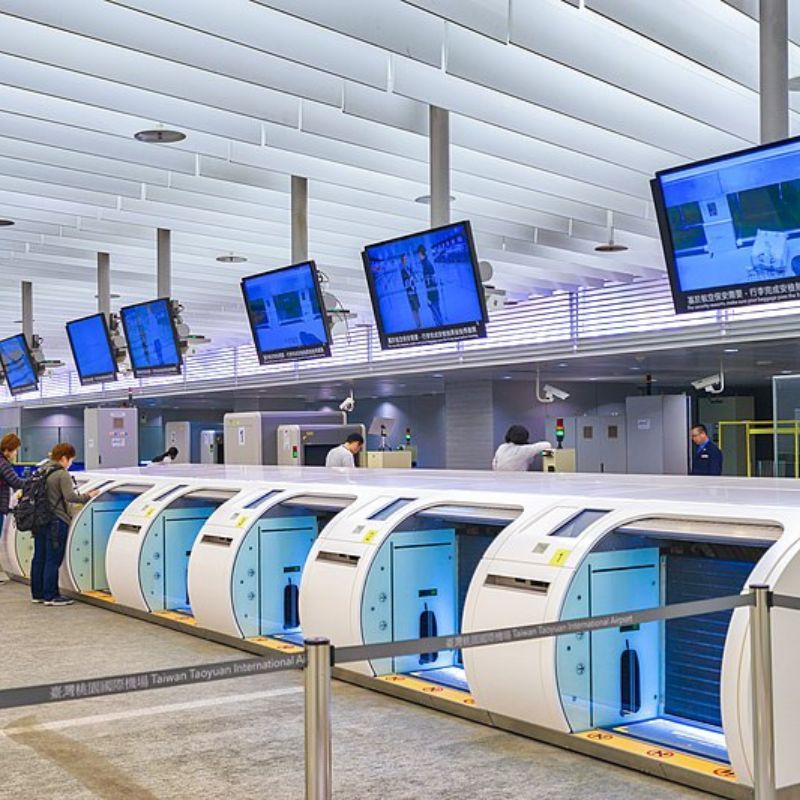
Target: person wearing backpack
<point>9,480</point>
<point>51,493</point>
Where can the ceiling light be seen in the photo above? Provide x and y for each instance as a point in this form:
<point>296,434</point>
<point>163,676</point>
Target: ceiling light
<point>506,377</point>
<point>231,259</point>
<point>159,136</point>
<point>786,371</point>
<point>562,364</point>
<point>635,369</point>
<point>425,199</point>
<point>764,363</point>
<point>731,349</point>
<point>5,223</point>
<point>610,246</point>
<point>437,375</point>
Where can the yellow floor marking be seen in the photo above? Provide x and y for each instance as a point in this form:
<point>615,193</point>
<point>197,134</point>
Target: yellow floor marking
<point>426,687</point>
<point>275,644</point>
<point>109,598</point>
<point>660,753</point>
<point>176,616</point>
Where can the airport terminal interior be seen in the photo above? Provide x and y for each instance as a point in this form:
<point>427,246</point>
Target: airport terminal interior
<point>399,399</point>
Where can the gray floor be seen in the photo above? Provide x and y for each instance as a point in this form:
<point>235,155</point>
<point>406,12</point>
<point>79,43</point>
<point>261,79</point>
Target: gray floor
<point>244,738</point>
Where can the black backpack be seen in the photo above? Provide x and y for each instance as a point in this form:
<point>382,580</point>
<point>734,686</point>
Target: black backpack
<point>33,511</point>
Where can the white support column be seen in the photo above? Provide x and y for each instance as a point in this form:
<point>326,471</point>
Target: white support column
<point>299,219</point>
<point>774,69</point>
<point>104,284</point>
<point>439,141</point>
<point>164,263</point>
<point>27,311</point>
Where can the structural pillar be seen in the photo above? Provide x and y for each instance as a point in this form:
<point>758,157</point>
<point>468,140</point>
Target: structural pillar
<point>104,284</point>
<point>774,69</point>
<point>299,219</point>
<point>27,312</point>
<point>164,262</point>
<point>439,141</point>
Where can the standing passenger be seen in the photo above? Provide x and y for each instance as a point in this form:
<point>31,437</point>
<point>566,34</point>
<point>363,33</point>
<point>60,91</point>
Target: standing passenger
<point>51,539</point>
<point>9,480</point>
<point>516,454</point>
<point>345,454</point>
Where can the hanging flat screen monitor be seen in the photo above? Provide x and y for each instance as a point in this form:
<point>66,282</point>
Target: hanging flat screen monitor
<point>426,287</point>
<point>152,339</point>
<point>286,313</point>
<point>92,351</point>
<point>730,227</point>
<point>18,367</point>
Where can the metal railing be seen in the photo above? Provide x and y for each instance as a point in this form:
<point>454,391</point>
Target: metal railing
<point>320,656</point>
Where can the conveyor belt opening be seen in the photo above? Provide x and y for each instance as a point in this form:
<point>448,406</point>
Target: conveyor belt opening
<point>659,681</point>
<point>165,553</point>
<point>270,562</point>
<point>92,529</point>
<point>418,583</point>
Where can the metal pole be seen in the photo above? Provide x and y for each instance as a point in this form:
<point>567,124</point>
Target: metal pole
<point>773,35</point>
<point>299,219</point>
<point>104,284</point>
<point>318,719</point>
<point>439,136</point>
<point>27,311</point>
<point>163,263</point>
<point>761,685</point>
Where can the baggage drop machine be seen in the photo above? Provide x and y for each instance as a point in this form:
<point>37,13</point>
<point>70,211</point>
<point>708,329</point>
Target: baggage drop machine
<point>247,566</point>
<point>148,554</point>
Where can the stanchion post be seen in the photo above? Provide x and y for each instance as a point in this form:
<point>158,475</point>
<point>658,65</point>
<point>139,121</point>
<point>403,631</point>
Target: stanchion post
<point>761,679</point>
<point>318,719</point>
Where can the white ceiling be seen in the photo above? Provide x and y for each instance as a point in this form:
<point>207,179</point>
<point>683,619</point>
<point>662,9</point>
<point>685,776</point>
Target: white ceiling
<point>561,112</point>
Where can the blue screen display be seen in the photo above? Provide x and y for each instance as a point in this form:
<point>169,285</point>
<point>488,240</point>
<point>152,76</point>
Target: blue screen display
<point>286,316</point>
<point>152,342</point>
<point>425,287</point>
<point>91,349</point>
<point>21,375</point>
<point>731,228</point>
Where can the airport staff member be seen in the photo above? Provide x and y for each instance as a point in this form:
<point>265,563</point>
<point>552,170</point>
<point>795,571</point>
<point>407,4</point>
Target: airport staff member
<point>345,454</point>
<point>707,457</point>
<point>516,454</point>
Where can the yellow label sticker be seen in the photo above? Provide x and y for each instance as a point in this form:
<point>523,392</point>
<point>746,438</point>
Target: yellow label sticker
<point>240,523</point>
<point>149,511</point>
<point>369,536</point>
<point>559,557</point>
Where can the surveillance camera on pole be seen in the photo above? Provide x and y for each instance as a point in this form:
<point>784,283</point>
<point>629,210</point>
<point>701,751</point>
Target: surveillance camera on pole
<point>713,384</point>
<point>188,341</point>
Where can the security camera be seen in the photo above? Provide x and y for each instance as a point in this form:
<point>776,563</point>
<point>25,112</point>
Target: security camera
<point>712,384</point>
<point>348,404</point>
<point>554,393</point>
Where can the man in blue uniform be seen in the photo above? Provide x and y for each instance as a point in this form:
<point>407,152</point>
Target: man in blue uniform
<point>707,457</point>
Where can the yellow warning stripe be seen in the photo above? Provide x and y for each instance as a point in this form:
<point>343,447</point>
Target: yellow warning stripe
<point>101,596</point>
<point>176,616</point>
<point>276,644</point>
<point>656,752</point>
<point>426,687</point>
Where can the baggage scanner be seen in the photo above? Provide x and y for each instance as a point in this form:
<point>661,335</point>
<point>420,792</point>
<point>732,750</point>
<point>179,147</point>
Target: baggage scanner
<point>247,565</point>
<point>151,542</point>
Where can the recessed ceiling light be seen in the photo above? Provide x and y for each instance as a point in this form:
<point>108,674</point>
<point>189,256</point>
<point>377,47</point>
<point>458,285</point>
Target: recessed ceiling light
<point>5,223</point>
<point>506,377</point>
<point>231,259</point>
<point>786,371</point>
<point>562,364</point>
<point>731,349</point>
<point>764,363</point>
<point>437,375</point>
<point>610,247</point>
<point>635,369</point>
<point>425,199</point>
<point>159,136</point>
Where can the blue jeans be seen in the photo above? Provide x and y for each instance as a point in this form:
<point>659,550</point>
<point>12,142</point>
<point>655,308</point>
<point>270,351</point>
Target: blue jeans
<point>49,546</point>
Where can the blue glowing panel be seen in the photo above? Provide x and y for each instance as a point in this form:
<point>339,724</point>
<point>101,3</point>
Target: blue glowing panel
<point>152,338</point>
<point>286,314</point>
<point>730,227</point>
<point>18,367</point>
<point>426,288</point>
<point>91,349</point>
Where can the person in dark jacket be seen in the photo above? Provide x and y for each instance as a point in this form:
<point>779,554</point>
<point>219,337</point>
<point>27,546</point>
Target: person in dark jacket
<point>9,480</point>
<point>706,457</point>
<point>166,458</point>
<point>49,542</point>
